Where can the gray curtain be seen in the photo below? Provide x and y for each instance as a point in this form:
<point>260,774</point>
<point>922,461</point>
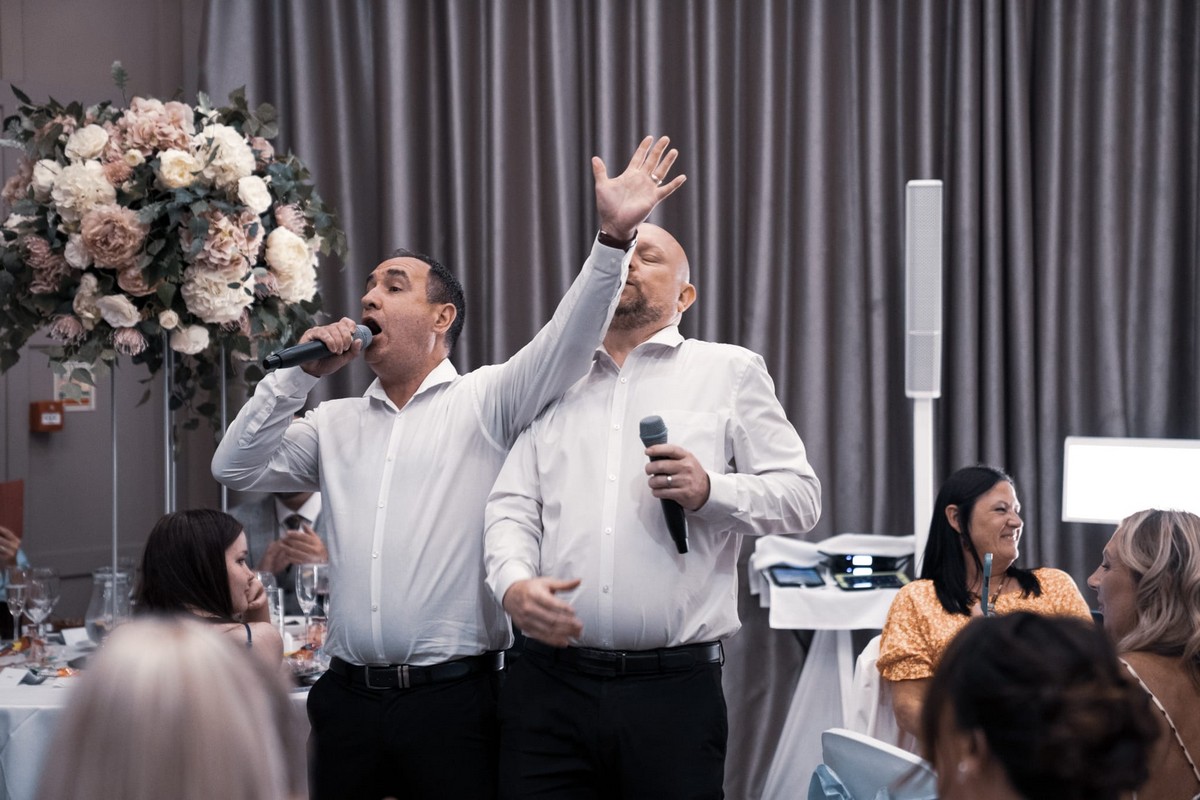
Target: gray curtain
<point>1067,132</point>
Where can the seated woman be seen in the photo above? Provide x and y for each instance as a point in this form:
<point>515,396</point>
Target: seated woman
<point>195,563</point>
<point>1031,707</point>
<point>1149,588</point>
<point>976,512</point>
<point>170,707</point>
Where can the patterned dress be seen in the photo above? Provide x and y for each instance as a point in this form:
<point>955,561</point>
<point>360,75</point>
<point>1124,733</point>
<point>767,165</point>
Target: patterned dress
<point>918,629</point>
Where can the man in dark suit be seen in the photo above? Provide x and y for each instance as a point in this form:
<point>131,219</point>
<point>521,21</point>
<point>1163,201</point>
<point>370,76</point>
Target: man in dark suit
<point>284,529</point>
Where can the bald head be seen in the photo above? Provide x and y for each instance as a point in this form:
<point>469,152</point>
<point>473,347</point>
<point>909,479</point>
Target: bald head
<point>651,236</point>
<point>657,291</point>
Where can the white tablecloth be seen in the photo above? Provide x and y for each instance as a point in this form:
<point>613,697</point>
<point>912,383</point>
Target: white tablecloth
<point>822,695</point>
<point>28,715</point>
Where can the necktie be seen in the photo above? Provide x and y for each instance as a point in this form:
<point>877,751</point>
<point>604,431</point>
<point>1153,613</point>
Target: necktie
<point>294,522</point>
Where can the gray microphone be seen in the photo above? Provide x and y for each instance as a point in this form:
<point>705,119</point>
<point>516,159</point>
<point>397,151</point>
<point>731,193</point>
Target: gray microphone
<point>654,431</point>
<point>311,351</point>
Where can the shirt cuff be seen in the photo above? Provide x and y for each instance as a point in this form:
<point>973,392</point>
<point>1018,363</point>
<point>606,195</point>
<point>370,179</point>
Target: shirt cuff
<point>722,500</point>
<point>293,382</point>
<point>510,573</point>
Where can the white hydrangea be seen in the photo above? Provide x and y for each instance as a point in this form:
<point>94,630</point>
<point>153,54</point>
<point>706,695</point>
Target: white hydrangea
<point>213,297</point>
<point>81,187</point>
<point>233,159</point>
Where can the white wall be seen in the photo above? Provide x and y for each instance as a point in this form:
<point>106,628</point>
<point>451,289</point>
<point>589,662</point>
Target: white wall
<point>65,48</point>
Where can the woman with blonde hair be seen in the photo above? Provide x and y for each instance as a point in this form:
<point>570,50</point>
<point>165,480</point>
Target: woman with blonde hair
<point>169,707</point>
<point>1148,585</point>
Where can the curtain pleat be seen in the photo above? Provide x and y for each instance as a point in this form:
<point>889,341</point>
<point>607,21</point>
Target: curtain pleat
<point>1067,133</point>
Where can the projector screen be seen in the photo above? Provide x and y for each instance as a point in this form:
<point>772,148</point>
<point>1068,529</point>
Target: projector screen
<point>1107,479</point>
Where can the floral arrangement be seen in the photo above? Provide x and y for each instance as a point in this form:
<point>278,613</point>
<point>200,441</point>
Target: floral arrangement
<point>158,229</point>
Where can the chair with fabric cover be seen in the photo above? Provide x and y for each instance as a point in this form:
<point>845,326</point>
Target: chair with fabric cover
<point>871,703</point>
<point>869,769</point>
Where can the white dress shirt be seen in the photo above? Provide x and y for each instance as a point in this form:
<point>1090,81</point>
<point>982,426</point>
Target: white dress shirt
<point>404,488</point>
<point>573,501</point>
<point>308,512</point>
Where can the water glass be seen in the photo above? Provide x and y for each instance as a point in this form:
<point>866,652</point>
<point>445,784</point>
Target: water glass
<point>274,598</point>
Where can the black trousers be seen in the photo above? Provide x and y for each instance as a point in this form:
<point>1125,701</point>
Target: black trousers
<point>564,734</point>
<point>434,741</point>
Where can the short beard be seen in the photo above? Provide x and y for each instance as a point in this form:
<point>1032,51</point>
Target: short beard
<point>637,313</point>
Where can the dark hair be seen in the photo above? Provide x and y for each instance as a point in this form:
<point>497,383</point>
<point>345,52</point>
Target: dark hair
<point>442,287</point>
<point>1052,701</point>
<point>944,563</point>
<point>183,564</point>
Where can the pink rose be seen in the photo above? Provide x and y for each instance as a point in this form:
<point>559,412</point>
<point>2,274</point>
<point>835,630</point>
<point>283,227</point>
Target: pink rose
<point>113,235</point>
<point>132,281</point>
<point>67,329</point>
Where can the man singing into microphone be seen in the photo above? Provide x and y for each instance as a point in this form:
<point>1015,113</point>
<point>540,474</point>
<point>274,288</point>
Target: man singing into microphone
<point>407,708</point>
<point>618,691</point>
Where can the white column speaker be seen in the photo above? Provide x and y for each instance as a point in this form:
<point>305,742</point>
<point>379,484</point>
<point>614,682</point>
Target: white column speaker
<point>923,289</point>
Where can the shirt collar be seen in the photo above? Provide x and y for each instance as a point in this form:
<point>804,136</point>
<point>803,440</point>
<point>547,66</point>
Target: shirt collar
<point>444,372</point>
<point>310,510</point>
<point>668,337</point>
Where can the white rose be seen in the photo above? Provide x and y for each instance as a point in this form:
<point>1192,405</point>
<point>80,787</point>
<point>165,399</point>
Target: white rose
<point>231,156</point>
<point>77,253</point>
<point>287,252</point>
<point>45,173</point>
<point>134,158</point>
<point>252,191</point>
<point>168,319</point>
<point>118,311</point>
<point>81,187</point>
<point>190,339</point>
<point>177,169</point>
<point>86,142</point>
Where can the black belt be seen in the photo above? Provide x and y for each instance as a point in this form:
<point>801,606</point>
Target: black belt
<point>611,663</point>
<point>403,676</point>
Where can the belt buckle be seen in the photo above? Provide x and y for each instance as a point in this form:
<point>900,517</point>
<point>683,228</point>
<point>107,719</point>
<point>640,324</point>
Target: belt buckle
<point>402,677</point>
<point>606,662</point>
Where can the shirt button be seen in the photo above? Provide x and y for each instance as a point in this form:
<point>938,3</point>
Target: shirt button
<point>374,555</point>
<point>391,458</point>
<point>374,608</point>
<point>612,477</point>
<point>605,590</point>
<point>381,505</point>
<point>616,427</point>
<point>624,380</point>
<point>608,530</point>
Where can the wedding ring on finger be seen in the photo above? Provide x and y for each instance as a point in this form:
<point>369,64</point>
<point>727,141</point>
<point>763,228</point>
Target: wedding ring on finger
<point>657,180</point>
<point>668,480</point>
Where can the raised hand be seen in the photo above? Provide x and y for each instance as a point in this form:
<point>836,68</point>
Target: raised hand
<point>624,201</point>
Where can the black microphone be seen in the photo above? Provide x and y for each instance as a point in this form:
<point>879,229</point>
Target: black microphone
<point>654,431</point>
<point>311,351</point>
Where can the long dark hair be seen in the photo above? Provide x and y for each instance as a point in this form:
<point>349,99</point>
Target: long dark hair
<point>944,563</point>
<point>183,565</point>
<point>1057,710</point>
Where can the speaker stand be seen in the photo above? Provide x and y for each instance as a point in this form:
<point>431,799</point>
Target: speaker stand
<point>923,486</point>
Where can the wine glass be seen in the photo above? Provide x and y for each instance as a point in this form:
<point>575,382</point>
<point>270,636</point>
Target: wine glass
<point>41,597</point>
<point>14,595</point>
<point>306,592</point>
